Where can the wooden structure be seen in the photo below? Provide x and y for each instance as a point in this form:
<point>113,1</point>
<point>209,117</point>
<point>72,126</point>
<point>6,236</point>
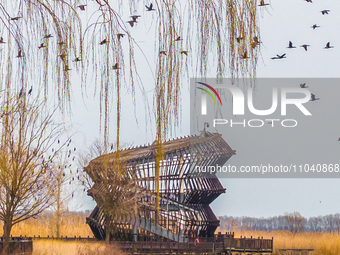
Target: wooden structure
<point>185,193</point>
<point>18,245</point>
<point>218,244</point>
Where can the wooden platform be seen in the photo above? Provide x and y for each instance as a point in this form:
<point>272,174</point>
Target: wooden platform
<point>220,244</point>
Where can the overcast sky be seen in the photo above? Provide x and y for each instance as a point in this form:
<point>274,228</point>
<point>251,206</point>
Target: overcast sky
<point>281,22</point>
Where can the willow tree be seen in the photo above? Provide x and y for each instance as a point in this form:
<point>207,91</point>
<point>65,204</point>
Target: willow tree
<point>225,30</point>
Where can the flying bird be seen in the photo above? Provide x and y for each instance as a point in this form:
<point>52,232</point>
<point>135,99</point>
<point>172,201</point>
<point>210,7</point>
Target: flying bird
<point>48,36</point>
<point>325,12</point>
<point>309,1</point>
<point>315,26</point>
<point>339,139</point>
<point>115,67</point>
<point>19,54</point>
<point>185,52</point>
<point>238,39</point>
<point>303,85</point>
<point>328,46</point>
<point>2,40</point>
<point>262,3</point>
<point>162,52</point>
<point>135,17</point>
<point>305,46</point>
<point>29,92</point>
<point>42,45</point>
<point>131,22</point>
<point>255,42</point>
<point>63,56</point>
<point>245,55</point>
<point>279,56</point>
<point>178,39</point>
<point>82,7</point>
<point>120,35</point>
<point>290,45</point>
<point>313,98</point>
<point>149,8</point>
<point>67,68</point>
<point>16,18</point>
<point>104,42</point>
<point>77,59</point>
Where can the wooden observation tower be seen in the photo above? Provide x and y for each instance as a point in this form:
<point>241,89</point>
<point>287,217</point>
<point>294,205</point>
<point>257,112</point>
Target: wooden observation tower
<point>184,193</point>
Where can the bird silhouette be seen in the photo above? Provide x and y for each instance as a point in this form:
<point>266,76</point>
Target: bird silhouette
<point>135,17</point>
<point>67,68</point>
<point>149,8</point>
<point>339,139</point>
<point>303,85</point>
<point>19,54</point>
<point>77,59</point>
<point>48,36</point>
<point>82,7</point>
<point>328,46</point>
<point>115,67</point>
<point>262,3</point>
<point>42,45</point>
<point>185,52</point>
<point>279,56</point>
<point>120,35</point>
<point>104,42</point>
<point>313,98</point>
<point>16,18</point>
<point>305,46</point>
<point>29,92</point>
<point>290,45</point>
<point>2,40</point>
<point>245,55</point>
<point>162,52</point>
<point>323,12</point>
<point>131,22</point>
<point>238,39</point>
<point>255,42</point>
<point>309,1</point>
<point>178,39</point>
<point>63,56</point>
<point>315,26</point>
<point>58,141</point>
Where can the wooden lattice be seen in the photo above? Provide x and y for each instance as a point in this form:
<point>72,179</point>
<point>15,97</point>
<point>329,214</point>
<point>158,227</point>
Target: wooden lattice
<point>185,194</point>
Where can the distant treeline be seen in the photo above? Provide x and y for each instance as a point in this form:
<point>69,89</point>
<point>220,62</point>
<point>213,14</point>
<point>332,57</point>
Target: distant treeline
<point>293,222</point>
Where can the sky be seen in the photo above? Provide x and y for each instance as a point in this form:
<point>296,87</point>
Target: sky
<point>281,22</point>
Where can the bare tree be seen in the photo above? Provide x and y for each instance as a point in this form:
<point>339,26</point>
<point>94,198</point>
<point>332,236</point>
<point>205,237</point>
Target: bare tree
<point>27,182</point>
<point>295,222</point>
<point>64,192</point>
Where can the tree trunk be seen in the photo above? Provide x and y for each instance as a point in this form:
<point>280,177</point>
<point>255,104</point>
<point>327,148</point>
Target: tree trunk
<point>107,229</point>
<point>7,233</point>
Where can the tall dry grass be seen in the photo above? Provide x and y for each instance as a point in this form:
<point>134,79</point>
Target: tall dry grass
<point>322,243</point>
<point>44,226</point>
<point>53,247</point>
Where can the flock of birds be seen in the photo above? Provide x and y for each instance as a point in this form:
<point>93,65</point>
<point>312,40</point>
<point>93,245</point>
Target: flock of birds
<point>305,46</point>
<point>63,55</point>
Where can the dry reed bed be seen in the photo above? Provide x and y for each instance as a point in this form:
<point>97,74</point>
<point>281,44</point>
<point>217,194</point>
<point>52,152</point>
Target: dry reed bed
<point>322,243</point>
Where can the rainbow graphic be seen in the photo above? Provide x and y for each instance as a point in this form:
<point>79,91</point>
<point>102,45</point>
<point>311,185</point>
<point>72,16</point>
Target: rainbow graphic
<point>209,93</point>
